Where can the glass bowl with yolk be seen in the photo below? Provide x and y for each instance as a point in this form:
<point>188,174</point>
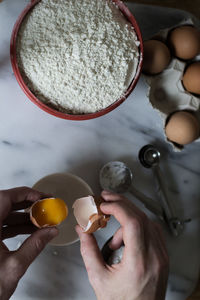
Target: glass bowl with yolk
<point>48,212</point>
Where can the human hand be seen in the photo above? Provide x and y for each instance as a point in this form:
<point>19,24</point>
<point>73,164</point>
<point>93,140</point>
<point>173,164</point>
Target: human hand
<point>143,272</point>
<point>13,264</point>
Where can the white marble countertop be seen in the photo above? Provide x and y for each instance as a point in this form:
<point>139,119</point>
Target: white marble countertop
<point>34,144</point>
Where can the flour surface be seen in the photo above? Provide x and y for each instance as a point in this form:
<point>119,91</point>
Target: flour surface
<point>78,56</point>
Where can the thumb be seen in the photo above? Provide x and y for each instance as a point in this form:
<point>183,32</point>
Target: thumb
<point>32,246</point>
<point>91,254</point>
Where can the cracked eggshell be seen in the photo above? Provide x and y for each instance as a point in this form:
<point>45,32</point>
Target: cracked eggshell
<point>88,214</point>
<point>166,92</point>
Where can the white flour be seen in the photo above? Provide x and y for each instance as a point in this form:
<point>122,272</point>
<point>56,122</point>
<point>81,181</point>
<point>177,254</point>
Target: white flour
<point>78,56</point>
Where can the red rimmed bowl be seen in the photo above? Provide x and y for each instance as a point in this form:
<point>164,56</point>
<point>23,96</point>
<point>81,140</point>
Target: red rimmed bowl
<point>126,12</point>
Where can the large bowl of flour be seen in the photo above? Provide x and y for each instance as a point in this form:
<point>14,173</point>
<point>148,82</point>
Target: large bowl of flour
<point>77,59</point>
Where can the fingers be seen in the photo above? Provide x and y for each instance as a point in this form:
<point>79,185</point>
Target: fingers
<point>21,194</point>
<point>27,203</point>
<point>22,205</point>
<point>112,197</point>
<point>133,228</point>
<point>10,199</point>
<point>158,237</point>
<point>11,231</point>
<point>108,196</point>
<point>17,223</point>
<point>158,257</point>
<point>91,254</point>
<point>17,218</point>
<point>121,210</point>
<point>117,240</point>
<point>160,234</point>
<point>32,246</point>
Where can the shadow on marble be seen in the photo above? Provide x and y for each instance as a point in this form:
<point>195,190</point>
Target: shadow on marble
<point>57,271</point>
<point>150,25</point>
<point>4,63</point>
<point>88,169</point>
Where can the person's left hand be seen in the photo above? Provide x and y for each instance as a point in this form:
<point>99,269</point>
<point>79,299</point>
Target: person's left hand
<point>13,264</point>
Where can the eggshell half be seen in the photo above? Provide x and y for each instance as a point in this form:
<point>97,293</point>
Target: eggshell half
<point>33,219</point>
<point>88,214</point>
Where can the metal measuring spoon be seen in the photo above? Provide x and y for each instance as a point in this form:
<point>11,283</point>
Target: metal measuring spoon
<point>117,177</point>
<point>149,157</point>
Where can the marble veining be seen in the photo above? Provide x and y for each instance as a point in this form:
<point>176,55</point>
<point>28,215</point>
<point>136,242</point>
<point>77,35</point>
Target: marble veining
<point>34,144</point>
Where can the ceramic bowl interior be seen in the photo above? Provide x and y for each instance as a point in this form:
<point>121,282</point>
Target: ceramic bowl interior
<point>67,187</point>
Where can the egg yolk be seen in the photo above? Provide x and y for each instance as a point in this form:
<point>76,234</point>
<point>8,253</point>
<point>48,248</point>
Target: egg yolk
<point>51,211</point>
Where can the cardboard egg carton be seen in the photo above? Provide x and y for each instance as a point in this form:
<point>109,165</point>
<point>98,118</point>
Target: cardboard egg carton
<point>165,90</point>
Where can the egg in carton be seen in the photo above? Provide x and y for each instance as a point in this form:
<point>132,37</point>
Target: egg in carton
<point>166,92</point>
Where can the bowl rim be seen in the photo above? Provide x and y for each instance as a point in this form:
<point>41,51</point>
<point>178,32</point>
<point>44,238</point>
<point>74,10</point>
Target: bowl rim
<point>69,175</point>
<point>75,117</point>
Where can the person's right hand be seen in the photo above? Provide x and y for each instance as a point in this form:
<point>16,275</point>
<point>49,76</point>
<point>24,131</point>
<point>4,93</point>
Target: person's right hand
<point>143,271</point>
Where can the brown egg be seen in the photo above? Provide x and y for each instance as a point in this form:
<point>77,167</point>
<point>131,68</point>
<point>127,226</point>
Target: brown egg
<point>182,128</point>
<point>184,42</point>
<point>156,57</point>
<point>191,78</point>
<point>88,214</point>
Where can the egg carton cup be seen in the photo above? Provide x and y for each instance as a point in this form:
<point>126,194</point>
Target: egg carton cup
<point>166,92</point>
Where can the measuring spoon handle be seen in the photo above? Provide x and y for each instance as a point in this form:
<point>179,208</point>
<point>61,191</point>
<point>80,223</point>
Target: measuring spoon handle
<point>149,203</point>
<point>165,203</point>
